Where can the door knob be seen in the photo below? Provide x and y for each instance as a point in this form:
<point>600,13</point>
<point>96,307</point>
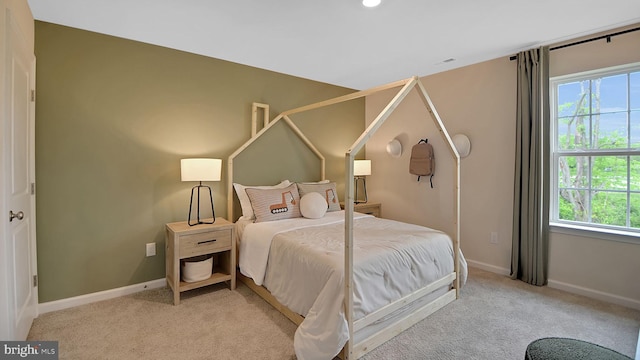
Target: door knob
<point>19,215</point>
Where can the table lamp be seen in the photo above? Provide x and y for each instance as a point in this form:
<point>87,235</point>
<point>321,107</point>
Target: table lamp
<point>200,170</point>
<point>361,168</point>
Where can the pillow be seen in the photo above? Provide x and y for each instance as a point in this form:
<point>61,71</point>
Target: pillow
<point>313,205</point>
<point>275,204</point>
<point>327,190</point>
<point>245,204</point>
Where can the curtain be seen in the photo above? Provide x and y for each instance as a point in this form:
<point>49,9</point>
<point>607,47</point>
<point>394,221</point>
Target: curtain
<point>529,253</point>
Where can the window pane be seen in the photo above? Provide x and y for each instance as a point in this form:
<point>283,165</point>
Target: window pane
<point>635,129</point>
<point>634,85</point>
<point>574,132</point>
<point>609,208</point>
<point>573,172</point>
<point>596,120</point>
<point>573,204</point>
<point>572,96</point>
<point>634,207</point>
<point>610,131</point>
<point>609,172</point>
<point>634,179</point>
<point>610,94</point>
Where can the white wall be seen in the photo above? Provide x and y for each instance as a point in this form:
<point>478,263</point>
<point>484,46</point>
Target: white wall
<point>479,101</point>
<point>476,101</point>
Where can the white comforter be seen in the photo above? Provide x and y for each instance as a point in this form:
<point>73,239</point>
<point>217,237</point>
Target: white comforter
<point>301,261</point>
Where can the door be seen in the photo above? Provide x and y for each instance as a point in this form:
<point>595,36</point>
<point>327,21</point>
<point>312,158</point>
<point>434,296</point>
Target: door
<point>18,179</point>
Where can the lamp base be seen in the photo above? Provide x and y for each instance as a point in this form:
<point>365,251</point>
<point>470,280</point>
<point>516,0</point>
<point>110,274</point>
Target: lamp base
<point>364,187</point>
<point>198,220</point>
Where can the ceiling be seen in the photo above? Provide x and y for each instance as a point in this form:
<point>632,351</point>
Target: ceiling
<point>341,42</point>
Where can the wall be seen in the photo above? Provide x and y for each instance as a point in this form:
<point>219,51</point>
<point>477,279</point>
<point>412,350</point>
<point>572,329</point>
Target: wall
<point>479,101</point>
<point>113,119</point>
<point>470,100</point>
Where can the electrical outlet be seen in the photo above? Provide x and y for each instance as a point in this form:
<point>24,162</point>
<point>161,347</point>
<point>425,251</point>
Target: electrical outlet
<point>151,249</point>
<point>494,237</point>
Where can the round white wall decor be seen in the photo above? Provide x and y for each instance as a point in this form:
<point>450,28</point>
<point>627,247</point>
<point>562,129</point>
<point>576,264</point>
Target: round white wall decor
<point>394,148</point>
<point>462,143</point>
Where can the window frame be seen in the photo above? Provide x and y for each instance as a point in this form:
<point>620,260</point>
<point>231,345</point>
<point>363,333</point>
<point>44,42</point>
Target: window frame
<point>593,230</point>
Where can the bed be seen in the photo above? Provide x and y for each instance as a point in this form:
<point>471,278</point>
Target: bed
<point>350,281</point>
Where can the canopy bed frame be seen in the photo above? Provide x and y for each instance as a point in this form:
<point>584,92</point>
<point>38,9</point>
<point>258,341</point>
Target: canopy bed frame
<point>353,350</point>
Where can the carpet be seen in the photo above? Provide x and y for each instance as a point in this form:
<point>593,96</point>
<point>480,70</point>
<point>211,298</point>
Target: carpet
<point>494,319</point>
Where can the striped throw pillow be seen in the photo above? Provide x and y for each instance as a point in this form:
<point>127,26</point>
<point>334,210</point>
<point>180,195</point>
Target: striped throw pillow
<point>275,204</point>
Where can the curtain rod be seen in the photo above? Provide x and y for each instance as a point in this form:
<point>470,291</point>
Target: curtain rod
<point>608,37</point>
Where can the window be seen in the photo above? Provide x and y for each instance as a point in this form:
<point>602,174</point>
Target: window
<point>595,129</point>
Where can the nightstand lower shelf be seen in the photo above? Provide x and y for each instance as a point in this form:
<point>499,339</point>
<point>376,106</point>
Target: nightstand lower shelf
<point>216,277</point>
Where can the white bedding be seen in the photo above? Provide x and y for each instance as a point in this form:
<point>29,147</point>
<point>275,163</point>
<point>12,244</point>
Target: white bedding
<point>301,261</point>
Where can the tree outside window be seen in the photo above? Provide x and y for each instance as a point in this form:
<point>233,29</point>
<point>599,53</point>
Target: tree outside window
<point>596,149</point>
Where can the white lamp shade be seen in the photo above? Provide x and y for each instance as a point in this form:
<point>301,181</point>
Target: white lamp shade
<point>371,3</point>
<point>200,169</point>
<point>361,167</point>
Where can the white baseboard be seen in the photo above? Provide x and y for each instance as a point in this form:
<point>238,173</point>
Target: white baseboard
<point>99,296</point>
<point>489,267</point>
<point>595,294</point>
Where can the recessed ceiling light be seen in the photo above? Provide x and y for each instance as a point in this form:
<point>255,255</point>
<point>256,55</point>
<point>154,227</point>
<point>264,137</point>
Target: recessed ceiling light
<point>370,3</point>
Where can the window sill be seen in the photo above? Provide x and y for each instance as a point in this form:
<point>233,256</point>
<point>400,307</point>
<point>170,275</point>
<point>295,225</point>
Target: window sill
<point>595,233</point>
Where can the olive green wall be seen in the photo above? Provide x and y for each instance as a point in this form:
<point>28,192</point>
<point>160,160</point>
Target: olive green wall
<point>113,119</point>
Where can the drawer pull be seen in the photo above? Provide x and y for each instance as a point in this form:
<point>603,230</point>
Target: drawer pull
<point>206,241</point>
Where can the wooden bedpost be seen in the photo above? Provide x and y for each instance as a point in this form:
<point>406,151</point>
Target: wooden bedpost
<point>348,252</point>
<point>408,85</point>
<point>454,151</point>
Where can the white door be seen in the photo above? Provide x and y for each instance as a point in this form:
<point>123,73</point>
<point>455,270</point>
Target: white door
<point>18,178</point>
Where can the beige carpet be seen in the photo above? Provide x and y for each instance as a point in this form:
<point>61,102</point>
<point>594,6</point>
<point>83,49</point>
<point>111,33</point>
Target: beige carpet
<point>495,319</point>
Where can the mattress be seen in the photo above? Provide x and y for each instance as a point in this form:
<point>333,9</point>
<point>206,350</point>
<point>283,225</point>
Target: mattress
<point>301,262</point>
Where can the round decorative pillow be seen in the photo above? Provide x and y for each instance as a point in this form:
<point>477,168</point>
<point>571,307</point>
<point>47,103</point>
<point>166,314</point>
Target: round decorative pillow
<point>313,205</point>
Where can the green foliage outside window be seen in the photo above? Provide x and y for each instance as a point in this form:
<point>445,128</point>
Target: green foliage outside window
<point>596,117</point>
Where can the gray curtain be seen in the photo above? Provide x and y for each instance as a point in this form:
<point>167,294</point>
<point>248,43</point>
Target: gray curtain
<point>529,253</point>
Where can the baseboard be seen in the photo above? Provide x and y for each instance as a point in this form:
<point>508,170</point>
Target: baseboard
<point>594,294</point>
<point>99,296</point>
<point>489,267</point>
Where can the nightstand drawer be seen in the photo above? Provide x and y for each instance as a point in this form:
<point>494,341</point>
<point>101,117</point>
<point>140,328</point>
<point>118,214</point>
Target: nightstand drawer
<point>204,243</point>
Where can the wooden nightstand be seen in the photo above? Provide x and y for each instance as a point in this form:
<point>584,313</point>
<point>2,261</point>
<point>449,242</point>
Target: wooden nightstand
<point>374,209</point>
<point>184,241</point>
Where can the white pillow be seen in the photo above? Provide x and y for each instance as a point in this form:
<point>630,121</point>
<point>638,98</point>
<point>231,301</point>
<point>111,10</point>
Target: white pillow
<point>313,205</point>
<point>245,203</point>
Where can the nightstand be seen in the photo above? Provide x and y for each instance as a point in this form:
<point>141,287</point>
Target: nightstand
<point>184,241</point>
<point>374,209</point>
